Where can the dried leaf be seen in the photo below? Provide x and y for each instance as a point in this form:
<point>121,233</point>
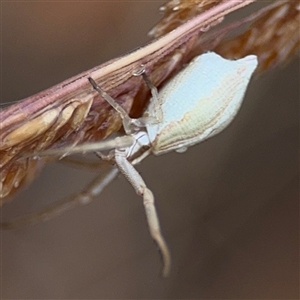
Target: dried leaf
<point>273,36</point>
<point>177,12</point>
<point>71,113</point>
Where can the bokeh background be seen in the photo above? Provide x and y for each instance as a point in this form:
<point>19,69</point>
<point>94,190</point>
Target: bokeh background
<point>228,207</point>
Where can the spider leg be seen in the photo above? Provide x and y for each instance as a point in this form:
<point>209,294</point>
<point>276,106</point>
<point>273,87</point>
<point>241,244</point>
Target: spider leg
<point>141,189</point>
<point>92,190</point>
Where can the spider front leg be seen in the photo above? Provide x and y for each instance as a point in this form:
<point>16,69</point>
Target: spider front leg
<point>126,120</point>
<point>156,115</point>
<point>141,189</point>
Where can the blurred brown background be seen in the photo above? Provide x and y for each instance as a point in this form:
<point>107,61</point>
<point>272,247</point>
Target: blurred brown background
<point>228,207</point>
